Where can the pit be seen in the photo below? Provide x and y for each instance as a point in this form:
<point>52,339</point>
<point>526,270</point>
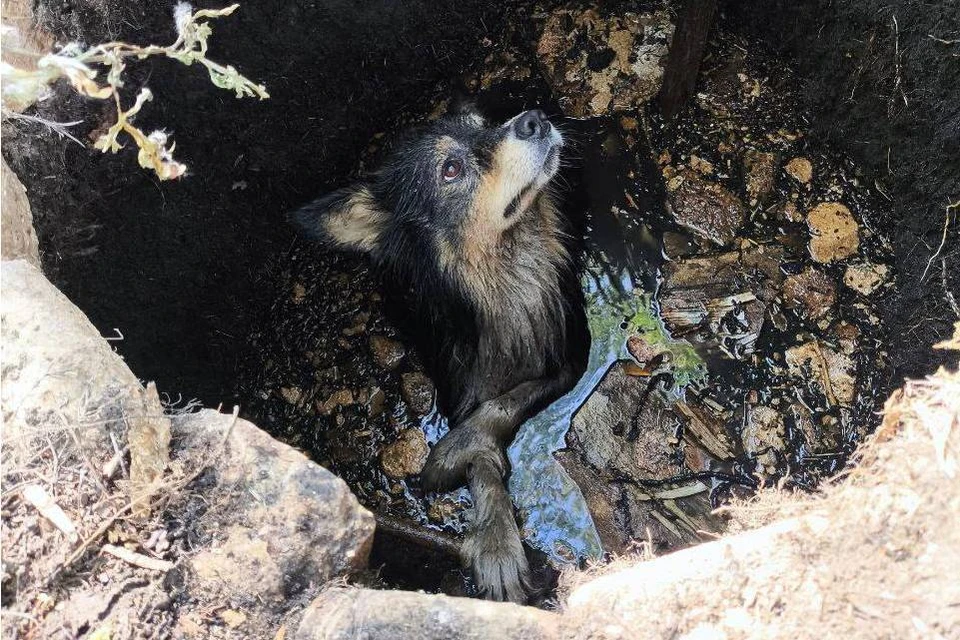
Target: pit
<point>761,269</point>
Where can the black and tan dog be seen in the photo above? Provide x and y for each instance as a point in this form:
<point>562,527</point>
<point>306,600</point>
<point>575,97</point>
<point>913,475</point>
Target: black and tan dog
<point>460,226</point>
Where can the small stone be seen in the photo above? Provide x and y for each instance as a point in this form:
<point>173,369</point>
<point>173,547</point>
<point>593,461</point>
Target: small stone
<point>865,277</point>
<point>705,207</point>
<point>339,398</point>
<point>377,402</point>
<point>800,169</point>
<point>834,234</point>
<point>417,391</point>
<point>790,212</point>
<point>299,293</point>
<point>701,166</point>
<point>292,395</point>
<point>406,456</point>
<point>233,619</point>
<point>761,174</point>
<point>444,509</point>
<point>386,352</point>
<point>811,292</point>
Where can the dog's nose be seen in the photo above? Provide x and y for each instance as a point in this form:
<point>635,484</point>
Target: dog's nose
<point>531,124</point>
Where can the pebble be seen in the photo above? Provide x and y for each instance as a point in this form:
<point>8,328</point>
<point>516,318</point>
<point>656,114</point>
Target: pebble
<point>406,456</point>
<point>706,208</point>
<point>386,352</point>
<point>417,391</point>
<point>834,234</point>
<point>800,169</point>
<point>760,169</point>
<point>865,277</point>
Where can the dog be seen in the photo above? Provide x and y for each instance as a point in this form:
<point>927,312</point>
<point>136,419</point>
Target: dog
<point>462,227</point>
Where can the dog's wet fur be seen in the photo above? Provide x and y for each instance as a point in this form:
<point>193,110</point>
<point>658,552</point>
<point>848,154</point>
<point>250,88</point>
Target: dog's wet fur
<point>480,270</point>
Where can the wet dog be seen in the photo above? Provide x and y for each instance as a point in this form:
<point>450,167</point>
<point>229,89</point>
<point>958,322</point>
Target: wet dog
<point>461,226</point>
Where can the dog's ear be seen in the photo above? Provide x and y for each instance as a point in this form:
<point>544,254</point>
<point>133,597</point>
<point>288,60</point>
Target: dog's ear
<point>348,219</point>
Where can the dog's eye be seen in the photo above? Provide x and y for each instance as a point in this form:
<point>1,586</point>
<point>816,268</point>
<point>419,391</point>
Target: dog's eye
<point>452,169</point>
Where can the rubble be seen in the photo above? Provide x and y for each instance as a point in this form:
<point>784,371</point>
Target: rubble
<point>811,292</point>
<point>386,352</point>
<point>598,64</point>
<point>865,277</point>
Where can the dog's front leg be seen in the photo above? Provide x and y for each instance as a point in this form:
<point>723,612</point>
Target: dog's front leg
<point>474,452</point>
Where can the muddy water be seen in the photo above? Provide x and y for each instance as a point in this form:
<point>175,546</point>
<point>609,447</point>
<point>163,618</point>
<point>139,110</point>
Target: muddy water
<point>723,355</point>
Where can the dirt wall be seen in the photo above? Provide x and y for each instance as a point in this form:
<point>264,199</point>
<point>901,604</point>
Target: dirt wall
<point>883,79</point>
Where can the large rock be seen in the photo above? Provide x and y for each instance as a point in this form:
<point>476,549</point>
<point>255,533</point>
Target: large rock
<point>57,369</point>
<point>348,614</point>
<point>17,237</point>
<point>598,64</point>
<point>285,523</point>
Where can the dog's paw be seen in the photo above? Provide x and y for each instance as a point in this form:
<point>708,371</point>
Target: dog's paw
<point>500,569</point>
<point>450,459</point>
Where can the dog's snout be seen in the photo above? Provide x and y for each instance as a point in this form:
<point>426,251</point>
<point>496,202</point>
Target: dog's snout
<point>531,124</point>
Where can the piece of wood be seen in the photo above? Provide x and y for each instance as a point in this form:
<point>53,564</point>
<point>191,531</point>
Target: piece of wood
<point>137,559</point>
<point>686,52</point>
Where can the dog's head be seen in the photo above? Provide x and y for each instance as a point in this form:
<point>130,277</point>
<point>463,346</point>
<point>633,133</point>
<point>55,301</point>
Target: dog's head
<point>462,181</point>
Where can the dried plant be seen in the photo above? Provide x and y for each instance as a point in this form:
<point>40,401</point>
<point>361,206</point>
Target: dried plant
<point>23,87</point>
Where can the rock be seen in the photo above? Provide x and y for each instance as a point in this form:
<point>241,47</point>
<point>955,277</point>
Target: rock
<point>831,372</point>
<point>761,175</point>
<point>56,365</point>
<point>790,212</point>
<point>762,436</point>
<point>678,245</point>
<point>706,208</point>
<point>339,398</point>
<point>286,523</point>
<point>345,613</point>
<point>386,352</point>
<point>834,234</point>
<point>417,391</point>
<point>406,456</point>
<point>865,277</point>
<point>17,237</point>
<point>701,166</point>
<point>800,169</point>
<point>377,402</point>
<point>811,292</point>
<point>291,395</point>
<point>601,64</point>
<point>621,427</point>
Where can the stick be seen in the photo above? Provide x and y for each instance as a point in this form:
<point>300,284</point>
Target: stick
<point>419,535</point>
<point>137,559</point>
<point>49,509</point>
